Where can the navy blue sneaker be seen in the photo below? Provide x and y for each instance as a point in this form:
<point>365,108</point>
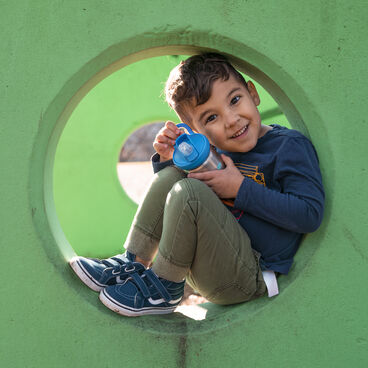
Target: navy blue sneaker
<point>99,273</point>
<point>143,294</point>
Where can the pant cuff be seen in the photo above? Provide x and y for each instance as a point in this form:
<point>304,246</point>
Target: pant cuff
<point>141,244</point>
<point>165,269</point>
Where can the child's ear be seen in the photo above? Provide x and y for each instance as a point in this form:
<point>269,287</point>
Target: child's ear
<point>253,93</point>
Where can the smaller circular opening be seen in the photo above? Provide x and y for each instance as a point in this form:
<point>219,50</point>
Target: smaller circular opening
<point>134,166</point>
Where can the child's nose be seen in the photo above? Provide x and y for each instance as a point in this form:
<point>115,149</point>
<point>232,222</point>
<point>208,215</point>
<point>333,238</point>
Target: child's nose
<point>231,119</point>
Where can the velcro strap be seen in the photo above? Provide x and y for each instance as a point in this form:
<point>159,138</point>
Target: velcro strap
<point>112,262</point>
<point>108,263</point>
<point>158,285</point>
<point>120,260</point>
<point>140,283</point>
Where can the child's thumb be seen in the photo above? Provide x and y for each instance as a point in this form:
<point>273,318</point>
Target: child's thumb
<point>228,161</point>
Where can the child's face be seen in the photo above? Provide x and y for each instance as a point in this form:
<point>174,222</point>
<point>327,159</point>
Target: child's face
<point>230,118</point>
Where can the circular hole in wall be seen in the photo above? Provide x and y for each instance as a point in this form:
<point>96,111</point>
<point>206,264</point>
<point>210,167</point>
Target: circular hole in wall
<point>87,152</point>
<point>93,211</point>
<point>88,202</point>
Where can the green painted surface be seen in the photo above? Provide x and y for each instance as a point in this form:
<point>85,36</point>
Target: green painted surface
<point>53,53</point>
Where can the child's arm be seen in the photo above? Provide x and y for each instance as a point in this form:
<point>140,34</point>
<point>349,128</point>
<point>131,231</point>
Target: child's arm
<point>297,205</point>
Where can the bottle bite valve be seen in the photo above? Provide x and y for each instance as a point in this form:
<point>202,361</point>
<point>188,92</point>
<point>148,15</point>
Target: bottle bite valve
<point>193,152</point>
<point>185,148</point>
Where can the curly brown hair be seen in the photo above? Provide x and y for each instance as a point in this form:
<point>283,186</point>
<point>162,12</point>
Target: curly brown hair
<point>191,81</point>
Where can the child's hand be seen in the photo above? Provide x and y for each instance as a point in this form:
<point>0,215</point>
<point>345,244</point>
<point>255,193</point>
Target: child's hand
<point>165,140</point>
<point>225,183</point>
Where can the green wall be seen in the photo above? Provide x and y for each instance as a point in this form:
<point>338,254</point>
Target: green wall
<point>310,56</point>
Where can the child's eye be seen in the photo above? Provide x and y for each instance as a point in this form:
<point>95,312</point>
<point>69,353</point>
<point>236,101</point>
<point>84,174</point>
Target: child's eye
<point>234,100</point>
<point>211,118</point>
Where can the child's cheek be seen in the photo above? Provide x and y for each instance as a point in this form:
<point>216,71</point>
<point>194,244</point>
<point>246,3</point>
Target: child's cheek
<point>213,138</point>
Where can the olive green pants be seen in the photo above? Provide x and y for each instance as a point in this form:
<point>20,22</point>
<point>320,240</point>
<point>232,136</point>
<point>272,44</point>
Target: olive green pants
<point>193,235</point>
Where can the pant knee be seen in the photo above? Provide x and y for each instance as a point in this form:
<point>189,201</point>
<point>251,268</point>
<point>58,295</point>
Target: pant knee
<point>169,174</point>
<point>164,180</point>
<point>188,189</point>
<point>197,186</point>
<point>188,192</point>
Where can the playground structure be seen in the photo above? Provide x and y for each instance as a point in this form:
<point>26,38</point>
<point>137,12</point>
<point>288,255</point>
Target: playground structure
<point>309,56</point>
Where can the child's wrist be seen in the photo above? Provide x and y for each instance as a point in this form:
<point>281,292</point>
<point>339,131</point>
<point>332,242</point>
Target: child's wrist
<point>237,186</point>
<point>164,159</point>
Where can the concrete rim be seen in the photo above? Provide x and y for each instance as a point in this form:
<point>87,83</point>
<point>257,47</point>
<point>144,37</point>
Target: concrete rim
<point>128,51</point>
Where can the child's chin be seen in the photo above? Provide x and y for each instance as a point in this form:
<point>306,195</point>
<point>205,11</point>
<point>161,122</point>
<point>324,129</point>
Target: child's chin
<point>246,147</point>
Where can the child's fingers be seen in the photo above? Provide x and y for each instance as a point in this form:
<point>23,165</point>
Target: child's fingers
<point>227,160</point>
<point>169,133</point>
<point>165,139</point>
<point>172,126</point>
<point>163,150</point>
<point>159,146</point>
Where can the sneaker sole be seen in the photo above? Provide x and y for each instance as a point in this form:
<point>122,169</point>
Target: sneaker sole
<point>132,312</point>
<point>83,274</point>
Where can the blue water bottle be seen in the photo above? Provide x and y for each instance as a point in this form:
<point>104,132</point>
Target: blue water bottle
<point>193,152</point>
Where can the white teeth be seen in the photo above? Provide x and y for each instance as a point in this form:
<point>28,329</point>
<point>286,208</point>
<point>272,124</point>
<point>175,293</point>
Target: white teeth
<point>239,132</point>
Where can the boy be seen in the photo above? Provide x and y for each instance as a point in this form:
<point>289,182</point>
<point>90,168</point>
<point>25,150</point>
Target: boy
<point>226,232</point>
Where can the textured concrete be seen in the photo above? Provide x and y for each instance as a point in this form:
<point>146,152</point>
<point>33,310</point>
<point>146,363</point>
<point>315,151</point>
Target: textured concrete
<point>311,56</point>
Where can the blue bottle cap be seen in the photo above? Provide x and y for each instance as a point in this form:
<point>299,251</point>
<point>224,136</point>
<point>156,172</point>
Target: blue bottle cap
<point>190,150</point>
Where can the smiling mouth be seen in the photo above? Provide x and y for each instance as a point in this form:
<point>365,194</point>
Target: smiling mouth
<point>240,132</point>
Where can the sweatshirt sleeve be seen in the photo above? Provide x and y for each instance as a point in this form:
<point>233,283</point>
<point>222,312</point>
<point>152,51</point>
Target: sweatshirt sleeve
<point>296,201</point>
<point>157,165</point>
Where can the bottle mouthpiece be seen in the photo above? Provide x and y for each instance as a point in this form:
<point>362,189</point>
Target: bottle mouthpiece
<point>185,148</point>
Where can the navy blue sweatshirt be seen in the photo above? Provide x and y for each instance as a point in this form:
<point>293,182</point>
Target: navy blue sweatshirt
<point>281,197</point>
